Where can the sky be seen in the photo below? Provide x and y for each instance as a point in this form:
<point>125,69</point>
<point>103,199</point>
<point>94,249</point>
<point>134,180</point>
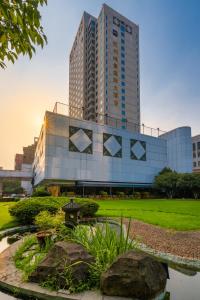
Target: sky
<point>169,68</point>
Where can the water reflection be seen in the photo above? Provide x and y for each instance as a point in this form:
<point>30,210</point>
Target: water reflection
<point>182,286</point>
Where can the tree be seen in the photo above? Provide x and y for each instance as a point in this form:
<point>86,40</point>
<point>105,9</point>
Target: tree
<point>11,186</point>
<point>167,183</point>
<point>196,185</point>
<point>185,183</point>
<point>20,29</point>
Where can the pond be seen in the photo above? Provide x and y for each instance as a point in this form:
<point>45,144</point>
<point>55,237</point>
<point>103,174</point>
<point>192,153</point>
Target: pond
<point>184,284</point>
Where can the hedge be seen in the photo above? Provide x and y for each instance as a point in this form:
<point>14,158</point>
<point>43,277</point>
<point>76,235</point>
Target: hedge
<point>26,210</point>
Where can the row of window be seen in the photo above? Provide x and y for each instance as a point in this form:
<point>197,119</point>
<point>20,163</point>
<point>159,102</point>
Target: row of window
<point>196,146</point>
<point>124,27</point>
<point>195,164</point>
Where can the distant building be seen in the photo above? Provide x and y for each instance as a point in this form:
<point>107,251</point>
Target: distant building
<point>27,157</point>
<point>18,161</point>
<point>196,153</point>
<point>29,153</point>
<point>104,77</point>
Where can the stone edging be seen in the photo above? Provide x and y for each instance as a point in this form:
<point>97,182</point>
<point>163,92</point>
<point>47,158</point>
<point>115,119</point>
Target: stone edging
<point>19,229</point>
<point>168,257</point>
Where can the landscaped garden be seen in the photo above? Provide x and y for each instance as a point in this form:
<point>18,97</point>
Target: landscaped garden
<point>97,251</point>
<point>174,214</point>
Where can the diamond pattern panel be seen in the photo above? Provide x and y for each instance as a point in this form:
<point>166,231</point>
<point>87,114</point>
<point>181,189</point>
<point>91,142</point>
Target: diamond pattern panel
<point>80,140</point>
<point>112,145</point>
<point>138,150</point>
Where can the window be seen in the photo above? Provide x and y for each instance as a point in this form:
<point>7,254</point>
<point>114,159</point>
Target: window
<point>123,91</point>
<point>123,105</point>
<point>122,69</point>
<point>122,34</point>
<point>129,29</point>
<point>122,55</point>
<point>198,145</point>
<point>122,27</point>
<point>123,76</point>
<point>122,62</point>
<point>122,48</point>
<point>115,73</point>
<point>194,164</point>
<point>123,83</point>
<point>115,33</point>
<point>115,95</point>
<point>116,21</point>
<point>122,41</point>
<point>115,80</point>
<point>194,146</point>
<point>123,112</point>
<point>115,58</point>
<point>194,154</point>
<point>123,98</point>
<point>198,163</point>
<point>115,65</point>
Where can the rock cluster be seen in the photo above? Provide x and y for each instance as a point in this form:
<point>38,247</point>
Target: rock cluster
<point>62,256</point>
<point>134,274</point>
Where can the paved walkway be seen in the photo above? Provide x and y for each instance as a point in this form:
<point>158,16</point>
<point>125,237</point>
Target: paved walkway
<point>181,243</point>
<point>10,278</point>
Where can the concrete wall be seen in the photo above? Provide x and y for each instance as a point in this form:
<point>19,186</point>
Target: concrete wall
<point>148,157</point>
<point>179,149</point>
<point>79,150</point>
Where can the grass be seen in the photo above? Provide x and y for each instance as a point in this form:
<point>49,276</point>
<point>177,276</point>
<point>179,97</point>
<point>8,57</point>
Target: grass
<point>172,214</point>
<point>29,255</point>
<point>6,221</point>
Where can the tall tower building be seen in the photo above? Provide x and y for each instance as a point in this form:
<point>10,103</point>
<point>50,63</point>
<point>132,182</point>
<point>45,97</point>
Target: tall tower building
<point>104,80</point>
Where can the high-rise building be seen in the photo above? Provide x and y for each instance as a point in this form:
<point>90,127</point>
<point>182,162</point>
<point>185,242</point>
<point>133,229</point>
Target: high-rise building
<point>104,80</point>
<point>196,153</point>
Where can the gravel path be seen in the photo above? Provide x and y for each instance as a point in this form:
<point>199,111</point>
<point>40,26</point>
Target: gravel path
<point>182,243</point>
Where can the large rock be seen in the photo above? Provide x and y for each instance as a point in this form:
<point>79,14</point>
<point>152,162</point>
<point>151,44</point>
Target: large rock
<point>134,274</point>
<point>60,257</point>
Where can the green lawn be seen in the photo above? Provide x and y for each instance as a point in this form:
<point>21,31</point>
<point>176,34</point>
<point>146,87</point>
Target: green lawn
<point>6,221</point>
<point>174,214</point>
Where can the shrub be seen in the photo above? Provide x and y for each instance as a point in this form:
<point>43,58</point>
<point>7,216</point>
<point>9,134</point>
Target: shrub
<point>88,207</point>
<point>45,220</point>
<point>26,210</point>
<point>120,194</point>
<point>41,191</point>
<point>103,193</point>
<point>137,195</point>
<point>145,195</point>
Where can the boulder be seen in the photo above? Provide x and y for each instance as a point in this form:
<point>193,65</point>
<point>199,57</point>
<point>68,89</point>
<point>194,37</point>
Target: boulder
<point>134,274</point>
<point>61,256</point>
<point>14,238</point>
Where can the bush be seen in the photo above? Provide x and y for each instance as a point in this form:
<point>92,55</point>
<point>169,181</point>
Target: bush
<point>88,207</point>
<point>137,195</point>
<point>26,210</point>
<point>145,195</point>
<point>103,193</point>
<point>45,220</point>
<point>41,191</point>
<point>120,194</point>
